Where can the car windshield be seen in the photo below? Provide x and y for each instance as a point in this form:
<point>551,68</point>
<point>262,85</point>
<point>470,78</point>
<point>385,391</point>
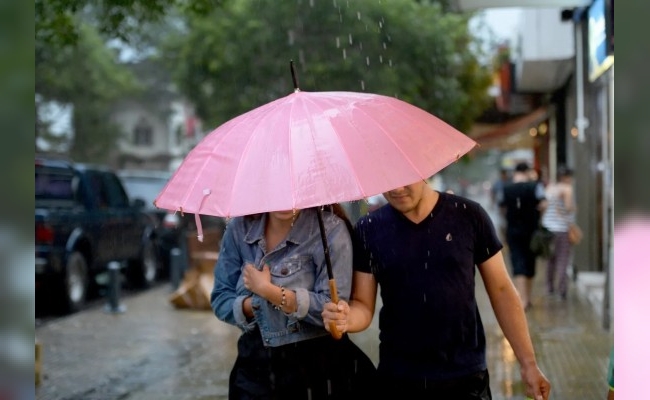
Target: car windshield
<point>145,188</point>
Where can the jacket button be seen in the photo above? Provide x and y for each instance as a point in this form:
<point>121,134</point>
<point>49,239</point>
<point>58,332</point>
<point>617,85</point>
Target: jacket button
<point>284,270</point>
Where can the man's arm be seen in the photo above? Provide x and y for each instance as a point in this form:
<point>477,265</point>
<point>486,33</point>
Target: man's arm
<point>512,320</point>
<point>357,315</point>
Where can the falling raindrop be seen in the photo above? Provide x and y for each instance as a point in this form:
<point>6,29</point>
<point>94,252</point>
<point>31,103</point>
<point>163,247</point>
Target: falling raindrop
<point>345,56</point>
<point>425,297</point>
<point>338,43</point>
<point>363,85</point>
<point>381,25</point>
<point>311,3</point>
<point>390,63</point>
<point>426,265</point>
<point>381,59</point>
<point>367,61</point>
<point>350,38</point>
<point>360,46</point>
<point>384,44</point>
<point>359,15</point>
<point>448,238</point>
<point>334,3</point>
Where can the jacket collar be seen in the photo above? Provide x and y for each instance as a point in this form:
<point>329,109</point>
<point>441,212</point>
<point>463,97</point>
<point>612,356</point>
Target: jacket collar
<point>304,227</point>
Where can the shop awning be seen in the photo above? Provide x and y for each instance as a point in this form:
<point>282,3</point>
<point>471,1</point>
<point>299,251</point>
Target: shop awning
<point>510,134</point>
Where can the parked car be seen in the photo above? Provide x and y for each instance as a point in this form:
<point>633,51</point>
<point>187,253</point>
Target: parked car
<point>172,228</point>
<point>83,220</point>
<point>145,185</point>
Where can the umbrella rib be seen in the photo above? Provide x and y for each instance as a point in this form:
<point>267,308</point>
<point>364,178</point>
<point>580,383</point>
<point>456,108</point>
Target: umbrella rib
<point>347,156</point>
<point>291,166</point>
<point>383,130</point>
<point>248,145</point>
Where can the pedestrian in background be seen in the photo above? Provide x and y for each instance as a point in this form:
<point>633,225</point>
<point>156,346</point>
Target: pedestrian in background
<point>271,281</point>
<point>521,204</point>
<point>496,193</point>
<point>558,215</point>
<point>423,250</point>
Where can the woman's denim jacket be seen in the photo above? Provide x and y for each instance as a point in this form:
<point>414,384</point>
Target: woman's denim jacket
<point>298,264</point>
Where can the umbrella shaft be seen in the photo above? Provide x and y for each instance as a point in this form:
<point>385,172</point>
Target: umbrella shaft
<point>326,249</point>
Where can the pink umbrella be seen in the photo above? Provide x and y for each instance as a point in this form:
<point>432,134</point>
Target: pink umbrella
<point>310,149</point>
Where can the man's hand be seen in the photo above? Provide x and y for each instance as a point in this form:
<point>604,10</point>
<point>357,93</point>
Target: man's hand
<point>537,386</point>
<point>337,313</point>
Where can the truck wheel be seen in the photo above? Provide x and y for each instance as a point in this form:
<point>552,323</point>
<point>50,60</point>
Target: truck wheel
<point>75,285</point>
<point>145,271</point>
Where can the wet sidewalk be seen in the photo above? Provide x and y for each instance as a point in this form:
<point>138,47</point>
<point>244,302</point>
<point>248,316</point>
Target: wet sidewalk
<point>154,351</point>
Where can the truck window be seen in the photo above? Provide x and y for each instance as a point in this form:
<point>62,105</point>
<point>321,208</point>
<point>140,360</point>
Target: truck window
<point>53,184</point>
<point>97,192</point>
<point>115,191</point>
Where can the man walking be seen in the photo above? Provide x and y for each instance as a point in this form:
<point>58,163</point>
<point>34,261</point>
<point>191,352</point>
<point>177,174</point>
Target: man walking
<point>423,248</point>
<point>522,203</point>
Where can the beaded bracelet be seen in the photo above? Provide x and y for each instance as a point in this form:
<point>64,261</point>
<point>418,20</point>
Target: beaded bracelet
<point>283,302</point>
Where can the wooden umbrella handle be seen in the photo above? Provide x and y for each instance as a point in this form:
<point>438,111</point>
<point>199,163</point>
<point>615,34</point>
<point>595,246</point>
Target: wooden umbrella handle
<point>328,263</point>
<point>336,334</point>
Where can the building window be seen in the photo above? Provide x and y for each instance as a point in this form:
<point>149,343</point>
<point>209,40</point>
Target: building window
<point>142,133</point>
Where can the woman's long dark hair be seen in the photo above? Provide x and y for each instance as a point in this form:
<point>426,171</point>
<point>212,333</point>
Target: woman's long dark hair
<point>339,211</point>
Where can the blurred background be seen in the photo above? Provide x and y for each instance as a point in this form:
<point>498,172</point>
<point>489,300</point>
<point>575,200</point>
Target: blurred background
<point>134,86</point>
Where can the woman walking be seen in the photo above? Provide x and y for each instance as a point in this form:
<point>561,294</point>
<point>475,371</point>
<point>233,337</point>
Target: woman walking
<point>271,282</point>
<point>559,215</point>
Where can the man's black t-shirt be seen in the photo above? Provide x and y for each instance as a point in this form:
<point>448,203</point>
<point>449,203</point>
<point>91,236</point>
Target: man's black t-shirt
<point>429,323</point>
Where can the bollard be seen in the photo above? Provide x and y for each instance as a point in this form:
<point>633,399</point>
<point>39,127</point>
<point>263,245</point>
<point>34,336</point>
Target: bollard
<point>176,267</point>
<point>38,364</point>
<point>113,304</point>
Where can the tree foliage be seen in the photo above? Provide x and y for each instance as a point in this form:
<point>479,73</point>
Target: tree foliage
<point>58,22</point>
<point>88,76</point>
<point>75,66</point>
<point>233,60</point>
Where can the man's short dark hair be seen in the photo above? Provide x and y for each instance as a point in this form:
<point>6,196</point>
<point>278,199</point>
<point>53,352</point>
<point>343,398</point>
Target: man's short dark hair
<point>522,167</point>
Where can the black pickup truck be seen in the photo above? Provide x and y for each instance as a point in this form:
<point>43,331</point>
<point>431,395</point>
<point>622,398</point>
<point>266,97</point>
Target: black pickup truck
<point>84,220</point>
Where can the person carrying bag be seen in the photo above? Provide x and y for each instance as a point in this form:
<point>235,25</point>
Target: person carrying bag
<point>559,219</point>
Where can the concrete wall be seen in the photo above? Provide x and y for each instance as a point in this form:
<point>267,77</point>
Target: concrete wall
<point>544,36</point>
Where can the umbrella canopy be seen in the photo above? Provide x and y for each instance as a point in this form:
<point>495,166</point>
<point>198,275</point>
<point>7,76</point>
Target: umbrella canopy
<point>309,149</point>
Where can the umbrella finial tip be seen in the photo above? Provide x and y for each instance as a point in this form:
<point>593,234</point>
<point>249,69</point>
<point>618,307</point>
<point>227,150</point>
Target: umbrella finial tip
<point>294,77</point>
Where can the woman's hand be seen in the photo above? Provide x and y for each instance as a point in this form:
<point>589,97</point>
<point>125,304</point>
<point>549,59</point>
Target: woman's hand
<point>257,281</point>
